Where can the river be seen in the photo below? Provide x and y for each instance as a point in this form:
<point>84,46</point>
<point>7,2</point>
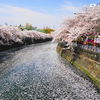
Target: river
<point>37,72</point>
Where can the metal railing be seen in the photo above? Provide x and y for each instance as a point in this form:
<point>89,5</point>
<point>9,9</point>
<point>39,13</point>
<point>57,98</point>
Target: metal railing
<point>90,48</point>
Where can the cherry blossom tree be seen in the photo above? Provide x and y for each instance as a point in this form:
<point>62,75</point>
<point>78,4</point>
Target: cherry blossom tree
<point>88,21</point>
<point>10,35</point>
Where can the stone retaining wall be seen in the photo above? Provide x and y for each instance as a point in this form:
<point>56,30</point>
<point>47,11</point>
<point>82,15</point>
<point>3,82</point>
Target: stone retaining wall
<point>83,61</point>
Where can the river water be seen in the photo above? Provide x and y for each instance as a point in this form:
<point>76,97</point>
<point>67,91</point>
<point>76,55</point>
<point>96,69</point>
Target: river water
<point>37,72</point>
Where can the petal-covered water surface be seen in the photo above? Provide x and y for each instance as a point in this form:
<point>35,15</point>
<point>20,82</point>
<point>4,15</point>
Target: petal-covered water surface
<point>37,72</point>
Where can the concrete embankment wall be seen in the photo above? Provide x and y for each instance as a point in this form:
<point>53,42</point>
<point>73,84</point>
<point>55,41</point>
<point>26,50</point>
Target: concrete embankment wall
<point>26,41</point>
<point>86,61</point>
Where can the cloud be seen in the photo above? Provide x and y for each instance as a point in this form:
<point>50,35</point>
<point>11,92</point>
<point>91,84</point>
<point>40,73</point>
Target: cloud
<point>70,7</point>
<point>14,15</point>
<point>17,15</point>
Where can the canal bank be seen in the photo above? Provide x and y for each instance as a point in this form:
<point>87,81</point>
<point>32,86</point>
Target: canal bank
<point>84,60</point>
<point>26,41</point>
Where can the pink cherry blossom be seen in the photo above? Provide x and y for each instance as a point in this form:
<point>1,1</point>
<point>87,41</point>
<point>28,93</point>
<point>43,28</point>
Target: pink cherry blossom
<point>88,21</point>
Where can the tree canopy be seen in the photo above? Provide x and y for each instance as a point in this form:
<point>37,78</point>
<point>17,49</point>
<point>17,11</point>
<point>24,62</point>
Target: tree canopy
<point>87,21</point>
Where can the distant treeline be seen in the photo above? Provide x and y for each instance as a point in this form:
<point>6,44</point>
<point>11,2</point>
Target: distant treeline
<point>46,30</point>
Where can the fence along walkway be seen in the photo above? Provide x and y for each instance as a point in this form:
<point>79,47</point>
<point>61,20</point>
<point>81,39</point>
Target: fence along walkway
<point>91,48</point>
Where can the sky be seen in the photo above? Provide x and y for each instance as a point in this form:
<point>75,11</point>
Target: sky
<point>40,13</point>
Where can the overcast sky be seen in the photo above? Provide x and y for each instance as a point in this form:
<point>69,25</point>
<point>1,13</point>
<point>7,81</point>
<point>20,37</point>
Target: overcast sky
<point>39,13</point>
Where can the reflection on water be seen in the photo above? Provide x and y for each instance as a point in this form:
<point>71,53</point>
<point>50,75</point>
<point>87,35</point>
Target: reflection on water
<point>38,73</point>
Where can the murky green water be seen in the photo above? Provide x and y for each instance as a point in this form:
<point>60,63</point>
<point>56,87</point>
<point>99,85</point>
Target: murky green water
<point>37,72</point>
